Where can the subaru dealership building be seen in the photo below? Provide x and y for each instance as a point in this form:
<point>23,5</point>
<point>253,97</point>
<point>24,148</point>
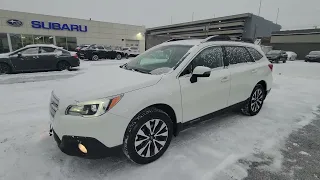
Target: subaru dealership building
<point>18,29</point>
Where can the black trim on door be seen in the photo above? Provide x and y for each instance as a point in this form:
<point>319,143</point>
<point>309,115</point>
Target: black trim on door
<point>193,122</point>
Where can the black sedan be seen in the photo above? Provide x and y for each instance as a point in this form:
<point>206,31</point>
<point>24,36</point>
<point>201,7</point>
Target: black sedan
<point>277,55</point>
<point>313,56</point>
<point>38,57</point>
<point>96,52</point>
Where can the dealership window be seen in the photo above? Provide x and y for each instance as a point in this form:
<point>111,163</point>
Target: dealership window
<point>4,44</point>
<point>68,43</point>
<point>26,39</point>
<point>72,43</point>
<point>47,39</point>
<point>61,42</point>
<point>16,41</point>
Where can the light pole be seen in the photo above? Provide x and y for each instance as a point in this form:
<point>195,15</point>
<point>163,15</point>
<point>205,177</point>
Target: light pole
<point>277,16</point>
<point>259,8</point>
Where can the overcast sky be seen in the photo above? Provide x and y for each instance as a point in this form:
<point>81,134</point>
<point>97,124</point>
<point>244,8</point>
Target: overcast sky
<point>294,14</point>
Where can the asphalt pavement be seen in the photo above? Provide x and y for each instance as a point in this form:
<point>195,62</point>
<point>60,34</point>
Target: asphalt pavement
<point>301,157</point>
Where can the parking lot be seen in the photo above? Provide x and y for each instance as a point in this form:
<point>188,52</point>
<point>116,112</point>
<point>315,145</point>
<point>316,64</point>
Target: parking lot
<point>227,147</point>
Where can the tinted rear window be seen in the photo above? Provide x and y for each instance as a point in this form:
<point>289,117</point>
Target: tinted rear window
<point>314,53</point>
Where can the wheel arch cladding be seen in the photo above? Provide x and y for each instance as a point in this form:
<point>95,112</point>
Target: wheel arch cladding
<point>169,110</point>
<point>9,65</point>
<point>263,84</point>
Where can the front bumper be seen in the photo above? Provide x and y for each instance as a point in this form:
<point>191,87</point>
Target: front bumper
<point>95,149</point>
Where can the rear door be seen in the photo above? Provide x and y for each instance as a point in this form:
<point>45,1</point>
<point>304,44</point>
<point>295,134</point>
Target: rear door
<point>28,60</point>
<point>48,58</point>
<point>242,71</point>
<point>208,94</point>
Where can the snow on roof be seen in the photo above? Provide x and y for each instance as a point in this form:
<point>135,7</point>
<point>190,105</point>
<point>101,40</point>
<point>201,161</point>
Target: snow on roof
<point>194,42</point>
<point>44,45</point>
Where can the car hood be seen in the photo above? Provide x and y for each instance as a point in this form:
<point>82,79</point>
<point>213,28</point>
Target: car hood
<point>4,55</point>
<point>103,82</point>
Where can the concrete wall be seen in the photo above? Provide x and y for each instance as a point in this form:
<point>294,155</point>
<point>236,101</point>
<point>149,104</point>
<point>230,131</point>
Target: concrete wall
<point>306,38</point>
<point>301,44</point>
<point>98,32</point>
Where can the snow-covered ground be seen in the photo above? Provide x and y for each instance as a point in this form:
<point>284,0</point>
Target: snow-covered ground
<point>210,150</point>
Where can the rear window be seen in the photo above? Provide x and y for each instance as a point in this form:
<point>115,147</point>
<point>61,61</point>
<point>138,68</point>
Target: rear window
<point>314,53</point>
<point>134,48</point>
<point>64,52</point>
<point>255,54</point>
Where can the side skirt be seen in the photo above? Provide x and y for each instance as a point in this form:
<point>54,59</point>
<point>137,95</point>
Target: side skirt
<point>191,123</point>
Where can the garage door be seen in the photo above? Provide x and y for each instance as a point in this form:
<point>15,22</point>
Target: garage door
<point>132,43</point>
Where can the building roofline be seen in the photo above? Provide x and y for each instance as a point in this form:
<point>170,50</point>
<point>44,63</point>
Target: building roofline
<point>71,18</point>
<point>296,32</point>
<point>201,21</point>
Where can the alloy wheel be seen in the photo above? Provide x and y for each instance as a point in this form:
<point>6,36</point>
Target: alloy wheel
<point>256,100</point>
<point>95,58</point>
<point>151,138</point>
<point>119,56</point>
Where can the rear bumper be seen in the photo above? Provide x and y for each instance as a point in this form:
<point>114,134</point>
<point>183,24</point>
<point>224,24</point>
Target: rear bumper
<point>95,149</point>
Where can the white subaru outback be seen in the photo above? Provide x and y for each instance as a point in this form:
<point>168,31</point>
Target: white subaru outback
<point>137,107</point>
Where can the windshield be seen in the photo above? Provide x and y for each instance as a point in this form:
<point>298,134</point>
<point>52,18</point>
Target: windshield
<point>163,57</point>
<point>314,53</point>
<point>274,52</point>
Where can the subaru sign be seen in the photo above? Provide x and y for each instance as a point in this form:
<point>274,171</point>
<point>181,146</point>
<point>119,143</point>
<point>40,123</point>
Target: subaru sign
<point>14,22</point>
<point>57,26</point>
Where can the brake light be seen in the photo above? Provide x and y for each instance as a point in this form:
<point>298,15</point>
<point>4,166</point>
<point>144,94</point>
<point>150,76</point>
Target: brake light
<point>75,55</point>
<point>270,66</point>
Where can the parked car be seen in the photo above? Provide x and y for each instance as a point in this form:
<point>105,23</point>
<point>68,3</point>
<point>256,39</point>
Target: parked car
<point>78,48</point>
<point>313,56</point>
<point>133,112</point>
<point>291,56</point>
<point>130,51</point>
<point>277,55</point>
<point>95,52</point>
<point>37,57</point>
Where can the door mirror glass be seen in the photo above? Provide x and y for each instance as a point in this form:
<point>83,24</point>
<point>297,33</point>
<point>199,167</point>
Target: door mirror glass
<point>19,54</point>
<point>200,71</point>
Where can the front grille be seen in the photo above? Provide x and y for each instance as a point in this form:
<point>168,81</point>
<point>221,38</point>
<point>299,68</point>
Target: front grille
<point>54,104</point>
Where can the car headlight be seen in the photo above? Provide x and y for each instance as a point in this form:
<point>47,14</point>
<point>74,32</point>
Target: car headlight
<point>93,108</point>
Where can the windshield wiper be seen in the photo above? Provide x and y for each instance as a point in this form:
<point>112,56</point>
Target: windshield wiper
<point>139,70</point>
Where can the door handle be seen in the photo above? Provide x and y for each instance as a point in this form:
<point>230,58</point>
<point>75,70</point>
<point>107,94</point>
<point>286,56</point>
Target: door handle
<point>35,57</point>
<point>225,79</point>
<point>254,71</point>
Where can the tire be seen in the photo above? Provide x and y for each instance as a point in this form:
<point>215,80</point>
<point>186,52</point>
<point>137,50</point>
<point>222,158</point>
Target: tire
<point>5,68</point>
<point>284,61</point>
<point>127,56</point>
<point>119,56</point>
<point>141,147</point>
<point>305,61</point>
<point>95,57</point>
<point>254,104</point>
<point>63,65</point>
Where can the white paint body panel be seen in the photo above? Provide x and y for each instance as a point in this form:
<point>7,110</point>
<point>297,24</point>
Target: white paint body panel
<point>225,86</point>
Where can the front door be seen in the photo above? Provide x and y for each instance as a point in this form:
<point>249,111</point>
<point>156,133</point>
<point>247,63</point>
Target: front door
<point>26,59</point>
<point>208,94</point>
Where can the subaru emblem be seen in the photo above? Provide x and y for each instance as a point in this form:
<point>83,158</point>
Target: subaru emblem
<point>14,22</point>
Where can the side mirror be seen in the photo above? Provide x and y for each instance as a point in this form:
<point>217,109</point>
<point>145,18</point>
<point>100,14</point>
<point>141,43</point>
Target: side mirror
<point>19,54</point>
<point>200,71</point>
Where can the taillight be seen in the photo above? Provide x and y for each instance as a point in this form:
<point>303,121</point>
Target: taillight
<point>270,66</point>
<point>75,55</point>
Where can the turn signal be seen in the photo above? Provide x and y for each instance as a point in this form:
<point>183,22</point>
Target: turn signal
<point>82,148</point>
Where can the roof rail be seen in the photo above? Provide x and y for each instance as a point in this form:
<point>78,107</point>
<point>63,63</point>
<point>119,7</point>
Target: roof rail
<point>247,40</point>
<point>217,38</point>
<point>175,39</point>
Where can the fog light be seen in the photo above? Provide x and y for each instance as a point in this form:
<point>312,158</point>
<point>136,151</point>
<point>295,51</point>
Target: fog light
<point>82,148</point>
